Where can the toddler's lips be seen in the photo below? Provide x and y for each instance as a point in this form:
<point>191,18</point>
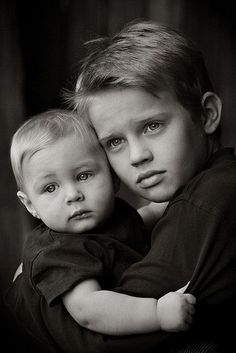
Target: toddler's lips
<point>81,214</point>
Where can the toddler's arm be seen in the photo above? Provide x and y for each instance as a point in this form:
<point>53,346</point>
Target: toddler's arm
<point>151,212</point>
<point>119,314</point>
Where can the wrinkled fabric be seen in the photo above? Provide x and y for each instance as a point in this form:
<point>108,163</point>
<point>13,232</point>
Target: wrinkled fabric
<point>194,241</point>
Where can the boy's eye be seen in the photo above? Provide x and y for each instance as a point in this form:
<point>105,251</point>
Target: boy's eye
<point>152,126</point>
<point>50,188</point>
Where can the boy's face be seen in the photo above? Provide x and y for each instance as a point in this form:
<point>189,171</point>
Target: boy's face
<point>151,142</point>
<point>69,185</point>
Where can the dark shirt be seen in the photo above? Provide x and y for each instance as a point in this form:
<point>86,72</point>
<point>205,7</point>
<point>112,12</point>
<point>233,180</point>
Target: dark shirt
<point>54,263</point>
<point>195,241</point>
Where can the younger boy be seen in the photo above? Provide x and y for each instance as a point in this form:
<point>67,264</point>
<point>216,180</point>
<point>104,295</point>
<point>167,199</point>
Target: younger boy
<point>87,237</point>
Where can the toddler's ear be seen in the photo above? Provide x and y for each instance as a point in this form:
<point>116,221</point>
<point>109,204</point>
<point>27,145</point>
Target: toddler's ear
<point>211,105</point>
<point>27,203</point>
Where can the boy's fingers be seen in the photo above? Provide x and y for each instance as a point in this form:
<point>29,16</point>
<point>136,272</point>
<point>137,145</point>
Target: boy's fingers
<point>183,289</point>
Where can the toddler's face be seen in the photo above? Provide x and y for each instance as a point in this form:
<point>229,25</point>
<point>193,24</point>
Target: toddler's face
<point>69,185</point>
<point>151,142</point>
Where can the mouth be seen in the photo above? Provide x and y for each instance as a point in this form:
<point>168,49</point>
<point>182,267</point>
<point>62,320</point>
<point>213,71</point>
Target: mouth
<point>80,214</point>
<point>149,179</point>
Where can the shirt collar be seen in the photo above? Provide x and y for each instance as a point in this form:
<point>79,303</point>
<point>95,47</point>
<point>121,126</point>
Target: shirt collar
<point>221,154</point>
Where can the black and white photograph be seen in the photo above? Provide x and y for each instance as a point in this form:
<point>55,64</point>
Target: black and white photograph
<point>118,176</point>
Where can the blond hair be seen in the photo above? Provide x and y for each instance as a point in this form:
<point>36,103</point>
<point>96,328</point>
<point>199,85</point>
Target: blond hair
<point>43,130</point>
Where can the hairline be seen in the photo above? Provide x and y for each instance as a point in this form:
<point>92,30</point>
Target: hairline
<point>22,145</point>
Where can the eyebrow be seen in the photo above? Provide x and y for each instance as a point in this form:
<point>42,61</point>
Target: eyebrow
<point>42,179</point>
<point>107,137</point>
<point>90,163</point>
<point>145,120</point>
<point>48,176</point>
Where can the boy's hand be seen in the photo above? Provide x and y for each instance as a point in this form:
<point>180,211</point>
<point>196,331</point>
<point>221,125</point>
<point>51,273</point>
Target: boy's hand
<point>175,311</point>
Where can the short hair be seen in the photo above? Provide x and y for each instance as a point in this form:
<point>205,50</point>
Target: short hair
<point>41,131</point>
<point>146,55</point>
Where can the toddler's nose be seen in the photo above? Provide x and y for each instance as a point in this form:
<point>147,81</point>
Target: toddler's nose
<point>74,195</point>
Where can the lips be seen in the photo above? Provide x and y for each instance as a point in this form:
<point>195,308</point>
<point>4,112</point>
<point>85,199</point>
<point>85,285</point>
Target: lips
<point>150,178</point>
<point>80,214</point>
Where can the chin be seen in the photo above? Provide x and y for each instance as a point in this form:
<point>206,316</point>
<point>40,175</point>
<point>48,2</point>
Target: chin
<point>85,228</point>
<point>157,196</point>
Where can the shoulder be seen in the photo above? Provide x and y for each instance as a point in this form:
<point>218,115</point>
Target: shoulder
<point>127,214</point>
<point>126,224</point>
<point>43,244</point>
<point>124,208</point>
<point>123,204</point>
<point>214,188</point>
<point>38,238</point>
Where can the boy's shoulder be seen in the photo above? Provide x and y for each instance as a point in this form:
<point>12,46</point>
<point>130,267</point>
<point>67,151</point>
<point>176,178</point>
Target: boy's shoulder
<point>220,170</point>
<point>214,188</point>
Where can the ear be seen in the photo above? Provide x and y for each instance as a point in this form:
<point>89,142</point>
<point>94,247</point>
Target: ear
<point>211,105</point>
<point>27,203</point>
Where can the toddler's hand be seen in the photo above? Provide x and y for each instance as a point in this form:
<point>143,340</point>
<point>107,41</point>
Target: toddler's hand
<point>175,311</point>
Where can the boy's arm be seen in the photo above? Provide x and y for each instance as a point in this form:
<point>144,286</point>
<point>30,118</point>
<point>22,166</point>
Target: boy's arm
<point>119,314</point>
<point>151,213</point>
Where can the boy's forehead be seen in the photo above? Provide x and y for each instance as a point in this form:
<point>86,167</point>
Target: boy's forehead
<point>129,103</point>
<point>128,95</point>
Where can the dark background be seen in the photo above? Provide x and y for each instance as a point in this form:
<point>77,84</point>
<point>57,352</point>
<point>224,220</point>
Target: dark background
<point>41,43</point>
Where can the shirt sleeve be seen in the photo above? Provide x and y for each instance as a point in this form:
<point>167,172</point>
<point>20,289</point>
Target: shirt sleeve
<point>181,246</point>
<point>65,263</point>
<point>56,330</point>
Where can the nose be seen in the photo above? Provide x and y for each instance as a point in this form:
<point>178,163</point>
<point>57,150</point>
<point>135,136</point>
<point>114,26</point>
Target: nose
<point>73,194</point>
<point>139,153</point>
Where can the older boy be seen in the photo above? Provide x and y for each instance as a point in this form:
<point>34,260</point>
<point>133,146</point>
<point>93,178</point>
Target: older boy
<point>151,102</point>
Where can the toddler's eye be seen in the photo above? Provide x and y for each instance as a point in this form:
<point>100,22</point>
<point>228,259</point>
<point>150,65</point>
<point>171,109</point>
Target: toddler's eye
<point>115,142</point>
<point>83,176</point>
<point>50,188</point>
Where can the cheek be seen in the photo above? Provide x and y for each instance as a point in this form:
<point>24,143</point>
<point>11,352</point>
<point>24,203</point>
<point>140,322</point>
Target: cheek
<point>48,210</point>
<point>119,165</point>
<point>184,160</point>
<point>178,145</point>
<point>46,214</point>
<point>102,187</point>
